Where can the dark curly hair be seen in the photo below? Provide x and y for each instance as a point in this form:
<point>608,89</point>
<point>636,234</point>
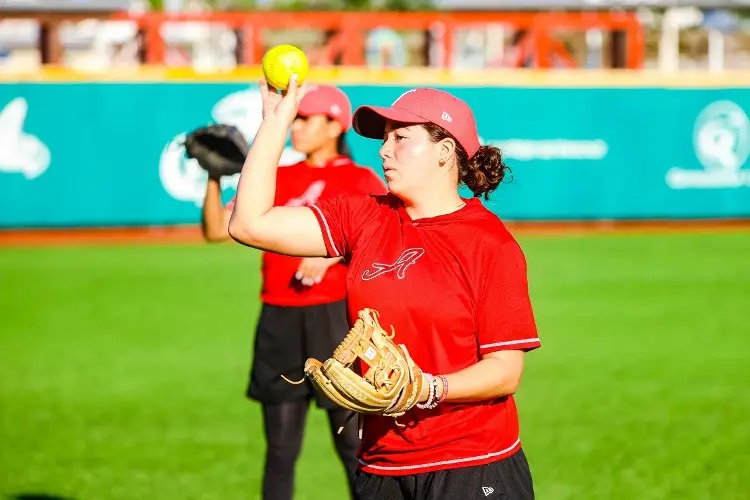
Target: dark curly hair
<point>483,173</point>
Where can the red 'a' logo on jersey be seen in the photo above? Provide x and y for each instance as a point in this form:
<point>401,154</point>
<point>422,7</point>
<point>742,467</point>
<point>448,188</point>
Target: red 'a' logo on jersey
<point>407,258</point>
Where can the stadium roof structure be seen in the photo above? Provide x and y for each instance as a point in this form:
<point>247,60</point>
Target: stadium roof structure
<point>50,14</point>
<point>62,6</point>
<point>500,5</point>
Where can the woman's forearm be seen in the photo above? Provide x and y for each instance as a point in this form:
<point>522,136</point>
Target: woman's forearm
<point>494,376</point>
<point>255,221</point>
<point>256,189</point>
<point>489,378</point>
<point>213,214</point>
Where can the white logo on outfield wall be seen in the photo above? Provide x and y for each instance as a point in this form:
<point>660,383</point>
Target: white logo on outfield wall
<point>183,178</point>
<point>721,138</point>
<point>550,149</point>
<point>20,152</point>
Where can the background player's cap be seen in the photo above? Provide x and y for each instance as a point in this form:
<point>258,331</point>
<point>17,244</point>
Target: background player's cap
<point>327,100</point>
<point>422,106</point>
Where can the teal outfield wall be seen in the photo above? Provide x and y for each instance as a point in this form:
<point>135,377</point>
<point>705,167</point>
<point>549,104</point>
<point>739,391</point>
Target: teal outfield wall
<point>99,154</point>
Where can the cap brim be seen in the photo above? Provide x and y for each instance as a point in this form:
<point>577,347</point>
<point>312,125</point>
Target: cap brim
<point>369,121</point>
<point>312,109</point>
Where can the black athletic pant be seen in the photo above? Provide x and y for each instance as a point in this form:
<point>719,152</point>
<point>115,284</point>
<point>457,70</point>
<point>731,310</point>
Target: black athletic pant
<point>284,425</point>
<point>285,338</point>
<point>507,479</point>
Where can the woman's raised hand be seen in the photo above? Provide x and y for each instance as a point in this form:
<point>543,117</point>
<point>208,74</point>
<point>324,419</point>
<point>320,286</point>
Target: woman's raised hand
<point>281,107</point>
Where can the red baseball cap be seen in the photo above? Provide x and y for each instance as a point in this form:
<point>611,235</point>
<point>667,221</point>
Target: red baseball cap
<point>327,100</point>
<point>422,105</point>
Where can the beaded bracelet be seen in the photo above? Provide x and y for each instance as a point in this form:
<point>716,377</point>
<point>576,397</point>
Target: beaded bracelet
<point>433,401</point>
<point>445,388</point>
<point>431,397</point>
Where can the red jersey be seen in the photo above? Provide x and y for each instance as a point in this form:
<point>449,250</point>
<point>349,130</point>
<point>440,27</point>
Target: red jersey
<point>299,185</point>
<point>454,287</point>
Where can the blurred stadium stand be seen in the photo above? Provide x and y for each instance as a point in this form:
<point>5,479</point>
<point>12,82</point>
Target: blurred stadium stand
<point>101,34</point>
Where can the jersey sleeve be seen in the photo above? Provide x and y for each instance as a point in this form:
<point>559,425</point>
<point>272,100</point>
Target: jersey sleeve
<point>341,220</point>
<point>505,318</point>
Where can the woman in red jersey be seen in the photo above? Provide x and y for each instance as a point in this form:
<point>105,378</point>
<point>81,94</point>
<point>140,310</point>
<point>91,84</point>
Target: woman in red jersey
<point>304,308</point>
<point>442,270</point>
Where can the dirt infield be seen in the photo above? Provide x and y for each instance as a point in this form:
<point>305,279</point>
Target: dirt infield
<point>192,234</point>
<point>100,236</point>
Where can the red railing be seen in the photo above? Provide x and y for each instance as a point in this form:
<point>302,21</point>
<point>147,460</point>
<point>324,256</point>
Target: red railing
<point>538,47</point>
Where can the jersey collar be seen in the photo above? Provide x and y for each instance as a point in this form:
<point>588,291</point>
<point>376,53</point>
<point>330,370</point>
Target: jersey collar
<point>336,161</point>
<point>472,204</point>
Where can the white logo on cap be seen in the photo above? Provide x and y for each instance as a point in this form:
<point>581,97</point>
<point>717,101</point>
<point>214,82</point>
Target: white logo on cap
<point>335,109</point>
<point>445,116</point>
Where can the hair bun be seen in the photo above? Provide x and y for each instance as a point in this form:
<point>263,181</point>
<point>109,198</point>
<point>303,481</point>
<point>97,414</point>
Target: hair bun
<point>485,171</point>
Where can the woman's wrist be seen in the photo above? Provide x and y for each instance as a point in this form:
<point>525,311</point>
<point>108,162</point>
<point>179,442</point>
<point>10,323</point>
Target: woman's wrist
<point>275,123</point>
<point>443,388</point>
<point>434,391</point>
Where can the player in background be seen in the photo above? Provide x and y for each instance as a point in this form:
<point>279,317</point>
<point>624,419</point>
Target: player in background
<point>441,269</point>
<point>303,299</point>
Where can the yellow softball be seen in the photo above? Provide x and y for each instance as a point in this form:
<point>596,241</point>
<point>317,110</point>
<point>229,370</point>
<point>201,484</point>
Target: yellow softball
<point>281,62</point>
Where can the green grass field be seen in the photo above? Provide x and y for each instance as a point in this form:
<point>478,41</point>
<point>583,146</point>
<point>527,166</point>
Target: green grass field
<point>122,372</point>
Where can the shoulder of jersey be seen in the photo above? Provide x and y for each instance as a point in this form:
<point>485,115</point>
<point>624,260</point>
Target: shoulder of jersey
<point>381,204</point>
<point>493,229</point>
<point>289,166</point>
